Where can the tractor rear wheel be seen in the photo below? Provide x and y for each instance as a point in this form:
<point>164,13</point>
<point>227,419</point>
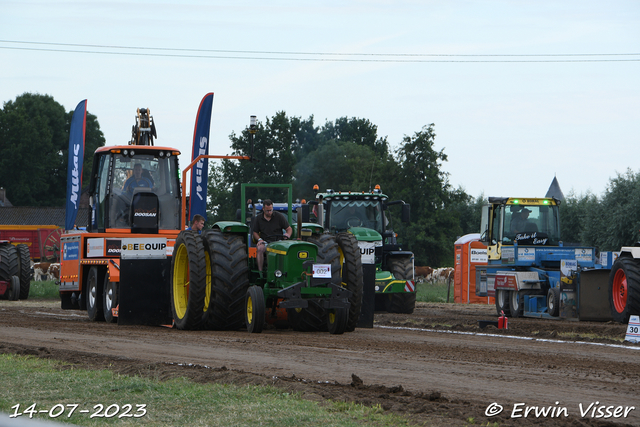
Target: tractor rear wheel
<point>405,303</point>
<point>229,280</point>
<point>9,265</point>
<point>254,309</point>
<point>24,260</point>
<point>337,319</point>
<point>110,299</point>
<point>94,294</point>
<point>352,279</point>
<point>624,289</point>
<point>190,278</point>
<point>502,302</point>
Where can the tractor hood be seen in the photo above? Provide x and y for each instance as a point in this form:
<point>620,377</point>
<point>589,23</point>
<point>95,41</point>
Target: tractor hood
<point>365,234</point>
<point>299,248</point>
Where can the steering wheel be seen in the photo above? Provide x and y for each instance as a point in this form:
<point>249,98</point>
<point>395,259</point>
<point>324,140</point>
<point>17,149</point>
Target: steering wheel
<point>354,221</point>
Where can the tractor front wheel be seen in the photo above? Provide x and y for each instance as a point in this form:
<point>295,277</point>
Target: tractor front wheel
<point>624,289</point>
<point>254,309</point>
<point>405,303</point>
<point>502,302</point>
<point>337,319</point>
<point>94,294</point>
<point>110,299</point>
<point>553,301</point>
<point>515,304</point>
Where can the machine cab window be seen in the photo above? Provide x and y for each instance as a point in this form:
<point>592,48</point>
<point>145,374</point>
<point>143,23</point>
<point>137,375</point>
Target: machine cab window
<point>121,177</point>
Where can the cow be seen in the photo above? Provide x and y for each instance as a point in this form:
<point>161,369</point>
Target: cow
<point>422,273</point>
<point>54,271</point>
<point>41,271</point>
<point>441,274</point>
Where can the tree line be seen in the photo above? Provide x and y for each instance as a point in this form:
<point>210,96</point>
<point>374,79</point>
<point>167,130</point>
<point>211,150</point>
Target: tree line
<point>346,154</point>
<point>34,147</point>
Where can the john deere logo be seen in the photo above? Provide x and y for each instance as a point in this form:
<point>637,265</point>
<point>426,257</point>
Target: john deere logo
<point>303,255</point>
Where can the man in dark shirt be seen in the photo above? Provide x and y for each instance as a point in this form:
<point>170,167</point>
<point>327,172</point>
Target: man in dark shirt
<point>137,180</point>
<point>267,225</point>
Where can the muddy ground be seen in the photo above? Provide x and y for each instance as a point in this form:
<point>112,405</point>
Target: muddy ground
<point>434,367</point>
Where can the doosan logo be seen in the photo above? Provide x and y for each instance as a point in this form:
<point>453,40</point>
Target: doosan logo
<point>142,213</point>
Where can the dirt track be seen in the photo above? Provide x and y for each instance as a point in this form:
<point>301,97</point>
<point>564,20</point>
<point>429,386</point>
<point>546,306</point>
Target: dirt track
<point>439,368</point>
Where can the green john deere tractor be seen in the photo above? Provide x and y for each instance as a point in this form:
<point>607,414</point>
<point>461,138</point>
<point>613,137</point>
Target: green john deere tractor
<point>365,216</point>
<point>312,282</point>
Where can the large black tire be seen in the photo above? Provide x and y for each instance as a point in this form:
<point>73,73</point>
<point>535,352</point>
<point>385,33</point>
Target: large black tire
<point>109,299</point>
<point>502,302</point>
<point>9,265</point>
<point>351,273</point>
<point>24,260</point>
<point>401,269</point>
<point>314,318</point>
<point>229,281</point>
<point>13,293</point>
<point>311,319</point>
<point>553,301</point>
<point>190,281</point>
<point>624,289</point>
<point>516,304</point>
<point>337,319</point>
<point>254,312</point>
<point>95,282</point>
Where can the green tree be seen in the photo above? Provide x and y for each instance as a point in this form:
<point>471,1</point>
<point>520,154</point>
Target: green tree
<point>358,131</point>
<point>615,220</point>
<point>420,181</point>
<point>34,131</point>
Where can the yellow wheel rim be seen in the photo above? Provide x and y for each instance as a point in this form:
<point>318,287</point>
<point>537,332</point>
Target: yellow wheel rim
<point>343,284</point>
<point>207,293</point>
<point>180,281</point>
<point>250,310</point>
<point>332,317</point>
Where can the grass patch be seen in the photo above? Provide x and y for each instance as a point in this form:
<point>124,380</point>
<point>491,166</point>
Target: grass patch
<point>52,386</point>
<point>44,290</point>
<point>436,292</point>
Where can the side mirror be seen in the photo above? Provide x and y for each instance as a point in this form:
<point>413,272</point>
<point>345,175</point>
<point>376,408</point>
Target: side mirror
<point>406,213</point>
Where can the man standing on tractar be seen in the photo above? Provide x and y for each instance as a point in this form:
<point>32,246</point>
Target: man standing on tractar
<point>266,226</point>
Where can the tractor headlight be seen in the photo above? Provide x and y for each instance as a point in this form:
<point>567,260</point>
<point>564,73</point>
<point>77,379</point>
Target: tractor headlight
<point>277,273</point>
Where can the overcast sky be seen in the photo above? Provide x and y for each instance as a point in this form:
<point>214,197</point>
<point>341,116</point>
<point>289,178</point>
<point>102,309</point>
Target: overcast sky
<point>519,91</point>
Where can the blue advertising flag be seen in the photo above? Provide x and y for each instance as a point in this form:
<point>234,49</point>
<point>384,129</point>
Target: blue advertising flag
<point>74,168</point>
<point>200,171</point>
